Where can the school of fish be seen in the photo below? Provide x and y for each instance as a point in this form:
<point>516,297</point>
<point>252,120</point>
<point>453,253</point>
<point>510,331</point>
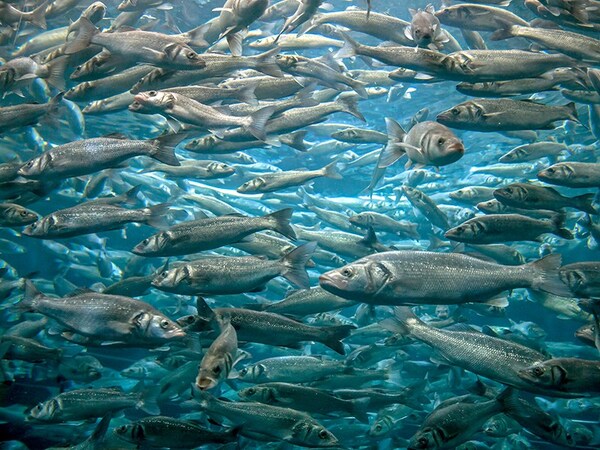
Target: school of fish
<point>353,224</point>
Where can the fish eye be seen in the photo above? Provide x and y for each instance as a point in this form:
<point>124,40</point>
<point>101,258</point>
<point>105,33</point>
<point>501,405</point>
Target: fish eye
<point>146,241</point>
<point>455,111</point>
<point>378,427</point>
<point>164,324</point>
<point>538,371</point>
<point>216,370</point>
<point>251,391</point>
<point>152,93</point>
<point>441,141</point>
<point>347,272</point>
<point>550,170</point>
<point>164,274</point>
<point>29,164</point>
<point>33,225</point>
<point>190,55</point>
<point>423,441</point>
<point>23,213</point>
<point>323,434</point>
<point>122,429</point>
<point>244,372</point>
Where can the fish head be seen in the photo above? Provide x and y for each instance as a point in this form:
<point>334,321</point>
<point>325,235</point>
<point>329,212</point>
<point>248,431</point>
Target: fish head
<point>42,226</point>
<point>45,411</point>
<point>152,101</point>
<point>184,56</point>
<point>79,92</point>
<point>348,133</point>
<point>456,115</point>
<point>34,168</point>
<point>170,278</point>
<point>513,193</point>
<point>424,27</point>
<point>361,219</point>
<point>425,438</point>
<point>466,231</point>
<point>441,145</point>
<point>382,426</point>
<point>287,61</point>
<point>218,168</point>
<point>252,185</point>
<point>20,214</point>
<point>491,206</point>
<point>560,171</point>
<point>356,281</point>
<point>131,432</point>
<point>314,434</point>
<point>544,373</point>
<point>214,368</point>
<point>7,77</point>
<point>252,373</point>
<point>152,245</point>
<point>156,326</point>
<point>263,394</point>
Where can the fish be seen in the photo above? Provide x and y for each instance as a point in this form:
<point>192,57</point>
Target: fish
<point>505,115</point>
<point>571,174</point>
<point>160,431</point>
<point>208,233</point>
<point>219,359</point>
<point>103,318</point>
<point>530,196</point>
<point>427,143</point>
<point>283,180</point>
<point>233,275</point>
<point>565,374</point>
<point>13,215</point>
<point>420,277</point>
<point>234,19</point>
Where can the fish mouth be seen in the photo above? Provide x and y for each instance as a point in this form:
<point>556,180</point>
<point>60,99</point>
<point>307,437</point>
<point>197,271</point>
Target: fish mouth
<point>442,117</point>
<point>135,106</point>
<point>175,334</point>
<point>456,147</point>
<point>205,384</point>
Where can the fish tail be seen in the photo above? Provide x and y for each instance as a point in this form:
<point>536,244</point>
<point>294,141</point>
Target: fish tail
<point>196,36</point>
<point>585,203</point>
<point>246,94</point>
<point>349,49</point>
<point>359,409</point>
<point>503,33</point>
<point>403,321</point>
<point>572,111</point>
<point>267,64</point>
<point>558,221</point>
<point>27,304</point>
<point>148,400</point>
<point>281,222</point>
<point>99,433</point>
<point>164,148</point>
<point>83,38</point>
<point>334,336</point>
<point>546,277</point>
<point>509,401</point>
<point>258,121</point>
<point>131,196</point>
<point>155,216</point>
<point>294,265</point>
<point>360,88</point>
<point>56,72</point>
<point>234,41</point>
<point>38,15</point>
<point>331,170</point>
<point>349,105</point>
<point>297,141</point>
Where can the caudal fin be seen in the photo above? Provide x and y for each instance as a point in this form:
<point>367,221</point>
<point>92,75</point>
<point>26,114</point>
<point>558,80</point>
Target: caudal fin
<point>27,304</point>
<point>83,38</point>
<point>331,170</point>
<point>503,33</point>
<point>334,336</point>
<point>349,49</point>
<point>267,64</point>
<point>56,72</point>
<point>156,217</point>
<point>546,276</point>
<point>349,104</point>
<point>281,222</point>
<point>585,203</point>
<point>558,220</point>
<point>258,122</point>
<point>294,264</point>
<point>38,15</point>
<point>164,148</point>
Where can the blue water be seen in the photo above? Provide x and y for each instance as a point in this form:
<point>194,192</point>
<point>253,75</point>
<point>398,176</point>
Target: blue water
<point>59,266</point>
